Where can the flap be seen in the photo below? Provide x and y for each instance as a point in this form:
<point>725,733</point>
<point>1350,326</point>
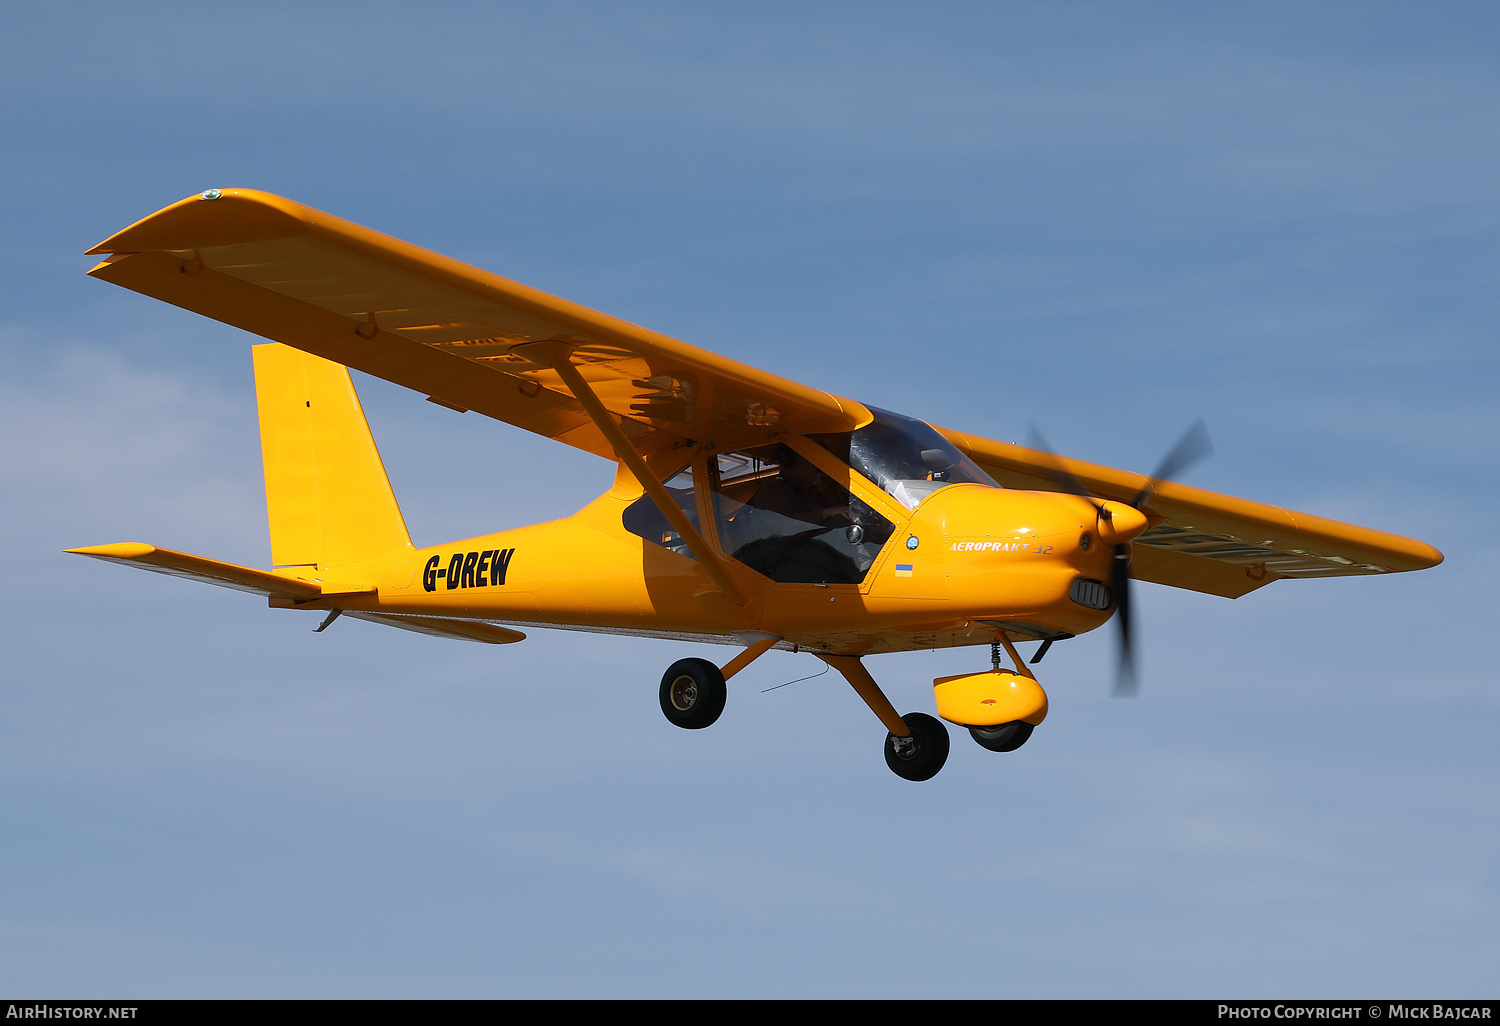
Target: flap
<point>402,313</point>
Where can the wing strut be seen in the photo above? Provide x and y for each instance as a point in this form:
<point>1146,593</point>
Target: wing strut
<point>556,355</point>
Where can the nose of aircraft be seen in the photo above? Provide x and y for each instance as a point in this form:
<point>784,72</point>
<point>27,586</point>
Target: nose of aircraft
<point>1006,518</point>
<point>976,519</point>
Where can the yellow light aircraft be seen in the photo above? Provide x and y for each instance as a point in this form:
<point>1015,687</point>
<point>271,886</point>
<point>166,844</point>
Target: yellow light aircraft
<point>746,508</point>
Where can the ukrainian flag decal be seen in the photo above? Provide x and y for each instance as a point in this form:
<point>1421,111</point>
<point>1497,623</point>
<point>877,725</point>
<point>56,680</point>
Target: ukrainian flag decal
<point>903,569</point>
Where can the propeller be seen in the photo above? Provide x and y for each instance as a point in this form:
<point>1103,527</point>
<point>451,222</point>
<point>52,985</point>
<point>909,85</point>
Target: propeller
<point>1193,446</point>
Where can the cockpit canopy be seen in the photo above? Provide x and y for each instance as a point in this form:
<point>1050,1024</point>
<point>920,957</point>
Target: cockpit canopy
<point>904,456</point>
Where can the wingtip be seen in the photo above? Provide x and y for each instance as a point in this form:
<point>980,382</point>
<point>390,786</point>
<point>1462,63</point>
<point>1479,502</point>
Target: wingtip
<point>208,218</point>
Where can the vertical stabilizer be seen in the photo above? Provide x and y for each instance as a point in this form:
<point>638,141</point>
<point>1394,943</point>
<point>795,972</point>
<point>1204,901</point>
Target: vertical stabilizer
<point>328,499</point>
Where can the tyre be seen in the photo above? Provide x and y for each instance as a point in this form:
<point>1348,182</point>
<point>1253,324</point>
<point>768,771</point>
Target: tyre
<point>925,756</point>
<point>693,693</point>
<point>1006,737</point>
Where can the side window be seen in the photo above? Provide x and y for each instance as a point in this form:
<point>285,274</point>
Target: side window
<point>643,518</point>
<point>780,515</point>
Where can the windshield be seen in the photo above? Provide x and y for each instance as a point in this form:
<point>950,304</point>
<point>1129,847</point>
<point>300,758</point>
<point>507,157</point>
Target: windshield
<point>906,457</point>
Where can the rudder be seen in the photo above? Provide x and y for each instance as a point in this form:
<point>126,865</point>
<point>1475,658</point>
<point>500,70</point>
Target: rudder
<point>328,499</point>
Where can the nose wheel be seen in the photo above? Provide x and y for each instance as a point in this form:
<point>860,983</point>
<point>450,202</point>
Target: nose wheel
<point>920,756</point>
<point>1006,737</point>
<point>693,693</point>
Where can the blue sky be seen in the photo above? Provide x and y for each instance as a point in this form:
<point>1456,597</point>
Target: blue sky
<point>1105,219</point>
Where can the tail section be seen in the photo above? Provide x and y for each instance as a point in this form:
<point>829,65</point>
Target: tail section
<point>327,495</point>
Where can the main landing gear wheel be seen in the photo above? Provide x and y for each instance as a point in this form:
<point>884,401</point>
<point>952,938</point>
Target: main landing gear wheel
<point>923,754</point>
<point>693,693</point>
<point>1006,737</point>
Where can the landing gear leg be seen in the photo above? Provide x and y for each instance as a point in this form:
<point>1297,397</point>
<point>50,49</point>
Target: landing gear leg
<point>692,690</point>
<point>917,745</point>
<point>1007,737</point>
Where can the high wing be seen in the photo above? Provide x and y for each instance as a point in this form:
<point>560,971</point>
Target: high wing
<point>1208,542</point>
<point>335,289</point>
<point>464,337</point>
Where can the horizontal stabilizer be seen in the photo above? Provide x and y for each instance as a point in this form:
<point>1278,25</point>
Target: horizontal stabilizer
<point>210,571</point>
<point>443,627</point>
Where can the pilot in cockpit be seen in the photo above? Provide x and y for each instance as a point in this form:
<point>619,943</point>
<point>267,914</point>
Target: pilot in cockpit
<point>798,491</point>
